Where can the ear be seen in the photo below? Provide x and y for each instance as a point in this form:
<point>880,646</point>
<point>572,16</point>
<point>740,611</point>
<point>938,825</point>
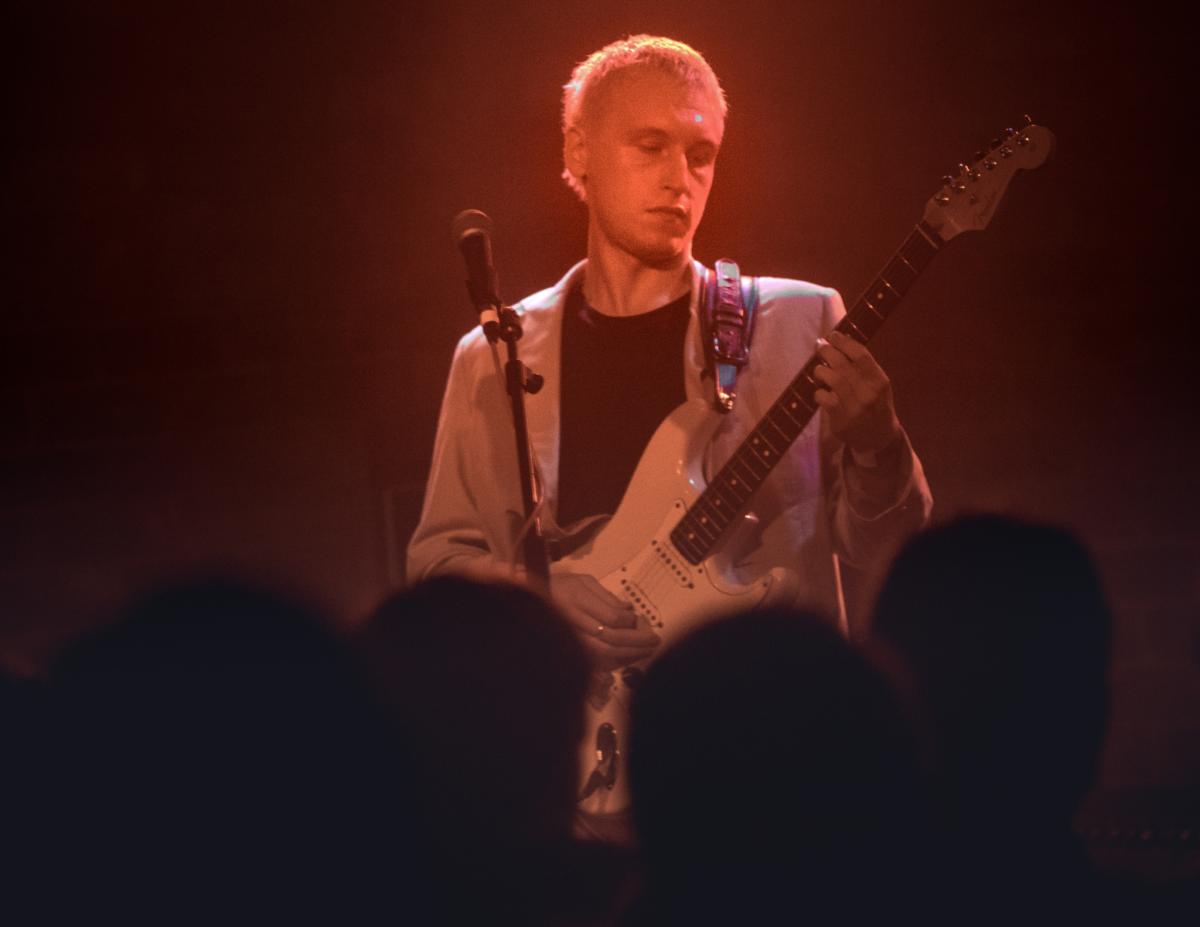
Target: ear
<point>575,153</point>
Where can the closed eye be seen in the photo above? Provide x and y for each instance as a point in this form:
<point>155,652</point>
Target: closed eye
<point>702,157</point>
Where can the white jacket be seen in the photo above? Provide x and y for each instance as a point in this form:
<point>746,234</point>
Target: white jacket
<point>815,504</point>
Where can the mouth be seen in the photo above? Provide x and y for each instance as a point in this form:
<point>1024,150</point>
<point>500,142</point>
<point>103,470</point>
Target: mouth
<point>675,212</point>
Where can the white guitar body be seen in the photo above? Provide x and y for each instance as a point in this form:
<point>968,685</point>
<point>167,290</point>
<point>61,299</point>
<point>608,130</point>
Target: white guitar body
<point>670,595</point>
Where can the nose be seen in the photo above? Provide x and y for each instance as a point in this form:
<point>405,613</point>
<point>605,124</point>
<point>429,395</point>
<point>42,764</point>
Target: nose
<point>675,175</point>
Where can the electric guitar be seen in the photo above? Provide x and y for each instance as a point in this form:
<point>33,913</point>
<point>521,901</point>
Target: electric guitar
<point>656,552</point>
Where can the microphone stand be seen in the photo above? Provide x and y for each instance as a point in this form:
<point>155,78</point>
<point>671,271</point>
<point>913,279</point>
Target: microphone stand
<point>519,380</point>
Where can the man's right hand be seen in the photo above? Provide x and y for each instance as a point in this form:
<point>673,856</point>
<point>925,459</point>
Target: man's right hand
<point>610,629</point>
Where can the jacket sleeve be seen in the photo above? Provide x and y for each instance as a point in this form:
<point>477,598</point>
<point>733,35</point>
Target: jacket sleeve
<point>873,511</point>
<point>451,535</point>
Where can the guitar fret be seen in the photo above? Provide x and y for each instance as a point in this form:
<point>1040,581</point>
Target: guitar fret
<point>718,516</point>
<point>762,451</point>
<point>714,513</point>
<point>865,320</point>
<point>732,483</point>
<point>883,298</point>
<point>723,516</point>
<point>787,438</point>
<point>855,332</point>
<point>799,423</point>
<point>870,307</point>
<point>920,247</point>
<point>723,490</point>
<point>795,400</point>
<point>757,436</point>
<point>746,468</point>
<point>701,524</point>
<point>691,553</point>
<point>755,456</point>
<point>900,272</point>
<point>711,497</point>
<point>788,423</point>
<point>691,531</point>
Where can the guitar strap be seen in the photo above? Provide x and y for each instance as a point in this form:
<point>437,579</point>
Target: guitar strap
<point>727,316</point>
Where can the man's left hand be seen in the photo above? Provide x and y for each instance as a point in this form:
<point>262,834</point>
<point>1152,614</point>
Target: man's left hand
<point>857,396</point>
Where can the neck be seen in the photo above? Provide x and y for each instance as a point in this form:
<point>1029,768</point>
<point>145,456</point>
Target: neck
<point>617,283</point>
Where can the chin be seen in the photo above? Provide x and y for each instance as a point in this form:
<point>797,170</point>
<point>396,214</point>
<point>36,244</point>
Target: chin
<point>661,254</point>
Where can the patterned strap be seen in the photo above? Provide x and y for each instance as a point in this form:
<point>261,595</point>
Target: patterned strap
<point>729,304</point>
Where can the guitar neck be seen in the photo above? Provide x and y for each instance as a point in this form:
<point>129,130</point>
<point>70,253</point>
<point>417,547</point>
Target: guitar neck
<point>736,482</point>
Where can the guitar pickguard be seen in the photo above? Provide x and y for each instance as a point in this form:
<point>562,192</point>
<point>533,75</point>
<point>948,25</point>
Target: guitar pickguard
<point>633,558</point>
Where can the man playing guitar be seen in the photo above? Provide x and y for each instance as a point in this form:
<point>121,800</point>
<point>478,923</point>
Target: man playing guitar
<point>619,343</point>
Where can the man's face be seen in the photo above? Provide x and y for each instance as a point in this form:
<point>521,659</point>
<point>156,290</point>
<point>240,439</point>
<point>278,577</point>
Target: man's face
<point>648,151</point>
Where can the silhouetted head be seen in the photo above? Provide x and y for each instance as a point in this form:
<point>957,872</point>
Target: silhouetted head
<point>1006,632</point>
<point>217,732</point>
<point>486,682</point>
<point>769,755</point>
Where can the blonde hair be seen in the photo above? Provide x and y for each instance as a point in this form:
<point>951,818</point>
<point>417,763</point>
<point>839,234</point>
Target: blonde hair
<point>667,55</point>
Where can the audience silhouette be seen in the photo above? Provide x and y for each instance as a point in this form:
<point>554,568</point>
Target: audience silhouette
<point>217,750</point>
<point>486,684</point>
<point>1004,631</point>
<point>215,745</point>
<point>773,774</point>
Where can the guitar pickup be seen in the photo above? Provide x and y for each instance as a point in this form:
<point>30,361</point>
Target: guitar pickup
<point>642,604</point>
<point>679,570</point>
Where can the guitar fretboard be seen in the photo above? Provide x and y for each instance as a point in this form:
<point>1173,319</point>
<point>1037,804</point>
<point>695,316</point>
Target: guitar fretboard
<point>731,489</point>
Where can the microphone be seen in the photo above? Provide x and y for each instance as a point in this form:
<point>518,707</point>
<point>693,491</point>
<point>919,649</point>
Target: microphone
<point>472,230</point>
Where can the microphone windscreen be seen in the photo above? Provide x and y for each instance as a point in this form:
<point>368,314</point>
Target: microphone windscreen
<point>468,221</point>
<point>476,248</point>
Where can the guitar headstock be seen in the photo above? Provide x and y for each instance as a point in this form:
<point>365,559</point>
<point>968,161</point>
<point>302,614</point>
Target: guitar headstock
<point>968,200</point>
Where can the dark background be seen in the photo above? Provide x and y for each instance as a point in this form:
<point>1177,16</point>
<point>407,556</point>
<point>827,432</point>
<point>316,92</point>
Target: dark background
<point>231,293</point>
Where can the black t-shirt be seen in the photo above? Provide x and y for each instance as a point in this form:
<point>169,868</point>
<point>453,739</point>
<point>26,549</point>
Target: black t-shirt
<point>621,375</point>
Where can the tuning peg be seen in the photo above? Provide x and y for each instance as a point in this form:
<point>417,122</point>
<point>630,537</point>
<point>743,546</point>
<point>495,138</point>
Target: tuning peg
<point>1028,121</point>
<point>947,180</point>
<point>990,164</point>
<point>1009,133</point>
<point>942,198</point>
<point>967,170</point>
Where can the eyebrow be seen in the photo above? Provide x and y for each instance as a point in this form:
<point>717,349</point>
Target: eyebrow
<point>651,132</point>
<point>647,132</point>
